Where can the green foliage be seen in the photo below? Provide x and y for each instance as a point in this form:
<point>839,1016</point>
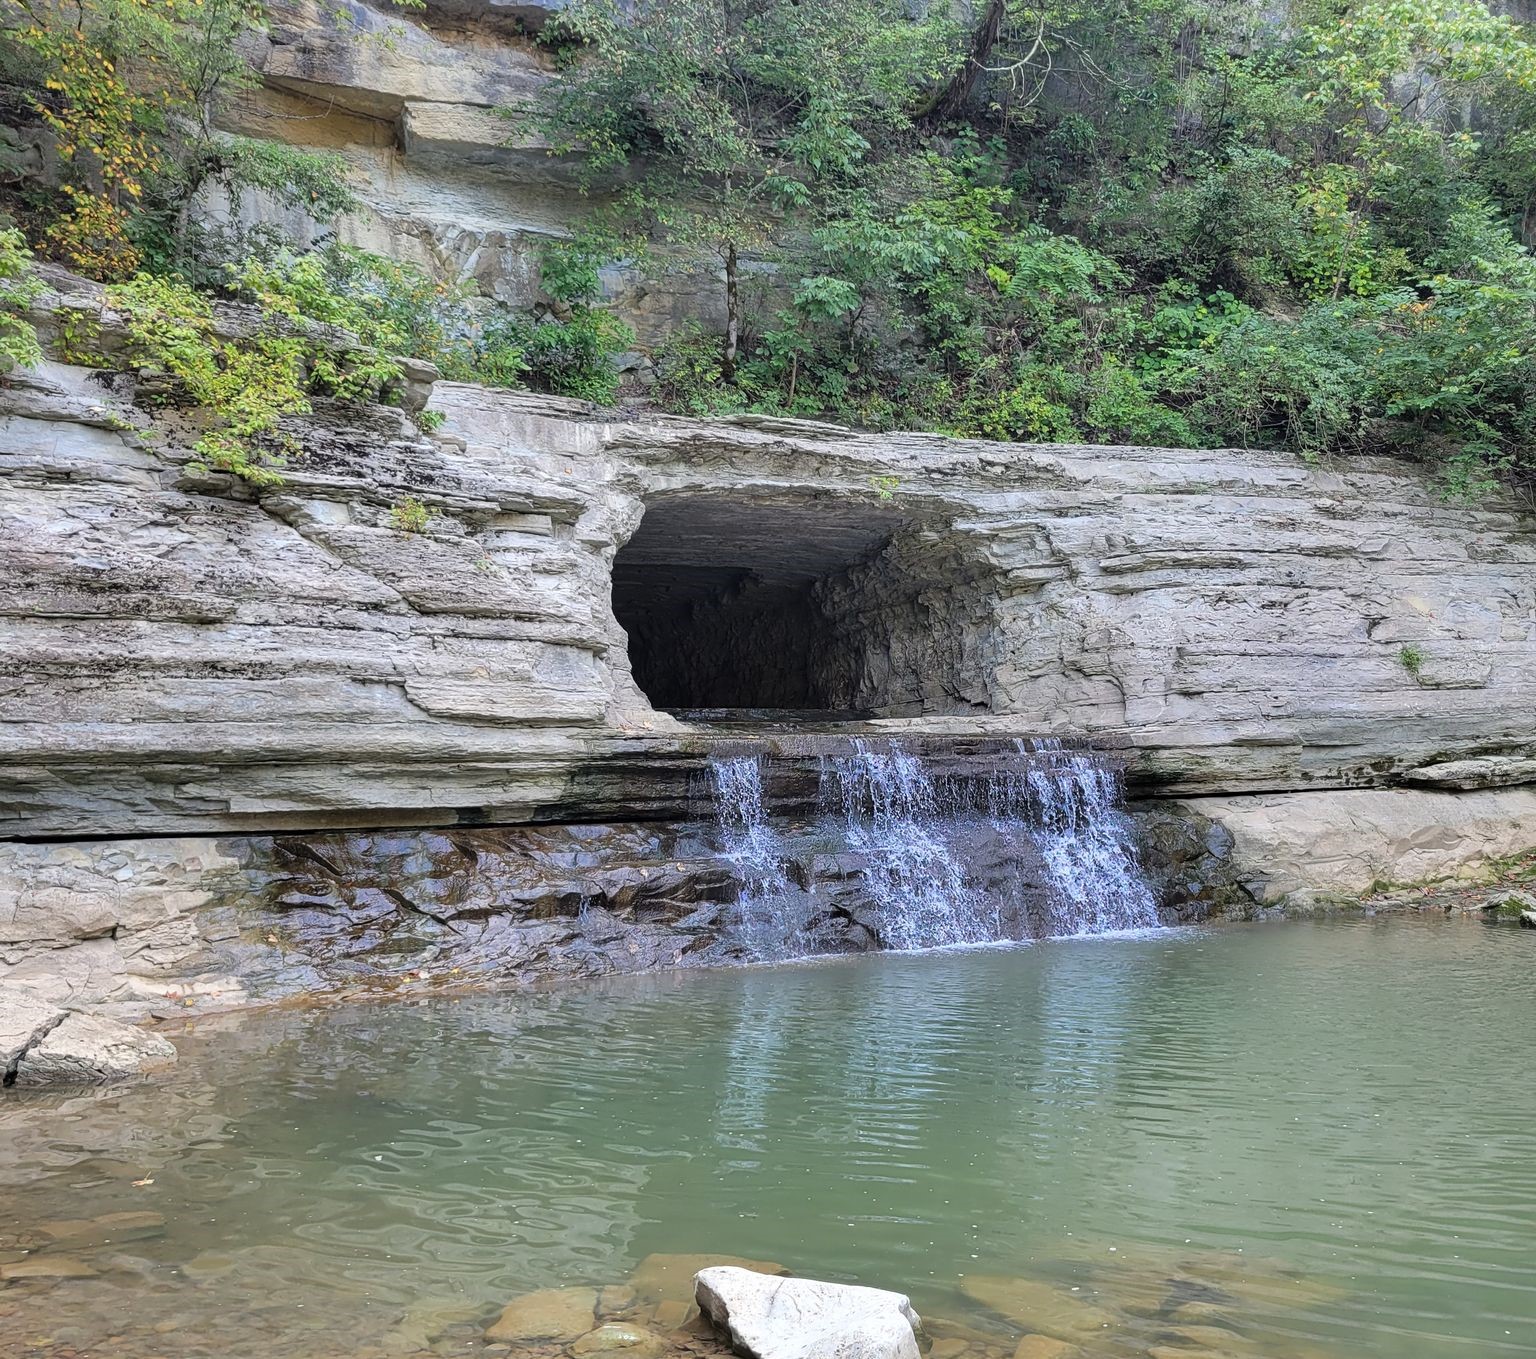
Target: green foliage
<point>394,309</point>
<point>573,358</point>
<point>246,387</point>
<point>409,515</point>
<point>1215,230</point>
<point>1161,222</point>
<point>1412,659</point>
<point>733,118</point>
<point>130,89</point>
<point>688,378</point>
<point>390,309</point>
<point>19,289</point>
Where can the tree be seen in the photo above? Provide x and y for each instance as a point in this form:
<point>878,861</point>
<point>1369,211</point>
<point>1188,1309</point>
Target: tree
<point>728,124</point>
<point>132,90</point>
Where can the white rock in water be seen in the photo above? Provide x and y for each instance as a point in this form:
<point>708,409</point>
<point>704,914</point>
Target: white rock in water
<point>776,1318</point>
<point>25,1020</point>
<point>84,1049</point>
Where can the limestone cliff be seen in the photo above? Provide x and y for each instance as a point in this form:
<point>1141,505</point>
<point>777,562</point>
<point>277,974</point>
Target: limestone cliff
<point>181,655</point>
<point>414,104</point>
<point>190,667</point>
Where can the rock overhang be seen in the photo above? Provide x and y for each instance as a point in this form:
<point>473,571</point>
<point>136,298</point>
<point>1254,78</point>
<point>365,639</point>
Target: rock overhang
<point>184,655</point>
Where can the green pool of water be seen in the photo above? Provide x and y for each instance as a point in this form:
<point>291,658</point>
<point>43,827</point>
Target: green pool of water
<point>1322,1135</point>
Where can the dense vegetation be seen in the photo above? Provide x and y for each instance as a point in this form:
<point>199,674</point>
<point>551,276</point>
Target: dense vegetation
<point>1168,221</point>
<point>131,92</point>
<point>1161,221</point>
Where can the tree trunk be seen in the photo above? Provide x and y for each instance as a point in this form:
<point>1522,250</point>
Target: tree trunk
<point>732,316</point>
<point>953,99</point>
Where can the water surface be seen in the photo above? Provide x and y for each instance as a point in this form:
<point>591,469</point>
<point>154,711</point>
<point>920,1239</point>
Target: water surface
<point>1319,1134</point>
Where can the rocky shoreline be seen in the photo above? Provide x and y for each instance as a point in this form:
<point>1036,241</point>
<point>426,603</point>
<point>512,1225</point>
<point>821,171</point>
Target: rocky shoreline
<point>1181,1305</point>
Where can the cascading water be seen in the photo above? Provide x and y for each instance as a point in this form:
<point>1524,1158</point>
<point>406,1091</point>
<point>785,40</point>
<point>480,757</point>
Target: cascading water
<point>753,847</point>
<point>1085,839</point>
<point>892,814</point>
<point>914,834</point>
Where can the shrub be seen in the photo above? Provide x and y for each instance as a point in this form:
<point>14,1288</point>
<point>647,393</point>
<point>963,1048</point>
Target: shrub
<point>247,386</point>
<point>19,289</point>
<point>409,515</point>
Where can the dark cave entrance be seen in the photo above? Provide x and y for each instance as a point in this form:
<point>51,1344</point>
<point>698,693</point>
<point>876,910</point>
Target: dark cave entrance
<point>824,604</point>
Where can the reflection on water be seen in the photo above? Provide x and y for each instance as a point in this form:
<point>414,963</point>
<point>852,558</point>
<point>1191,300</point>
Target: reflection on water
<point>1316,1134</point>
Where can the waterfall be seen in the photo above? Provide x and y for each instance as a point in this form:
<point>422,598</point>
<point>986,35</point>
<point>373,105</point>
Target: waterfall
<point>1086,841</point>
<point>920,839</point>
<point>754,849</point>
<point>892,813</point>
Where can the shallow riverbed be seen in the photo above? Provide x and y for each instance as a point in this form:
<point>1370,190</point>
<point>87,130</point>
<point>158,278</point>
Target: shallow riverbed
<point>1315,1135</point>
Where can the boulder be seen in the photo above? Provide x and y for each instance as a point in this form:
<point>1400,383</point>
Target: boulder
<point>25,1018</point>
<point>86,1049</point>
<point>546,1314</point>
<point>781,1318</point>
<point>1528,920</point>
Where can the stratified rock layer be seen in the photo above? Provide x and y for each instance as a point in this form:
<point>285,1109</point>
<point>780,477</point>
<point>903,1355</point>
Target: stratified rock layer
<point>41,1043</point>
<point>189,668</point>
<point>196,924</point>
<point>181,656</point>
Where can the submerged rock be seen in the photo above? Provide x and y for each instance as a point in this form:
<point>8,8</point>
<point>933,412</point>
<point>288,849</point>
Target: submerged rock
<point>1039,1306</point>
<point>1215,1339</point>
<point>108,1229</point>
<point>620,1338</point>
<point>48,1267</point>
<point>773,1318</point>
<point>1045,1347</point>
<point>670,1278</point>
<point>546,1314</point>
<point>86,1049</point>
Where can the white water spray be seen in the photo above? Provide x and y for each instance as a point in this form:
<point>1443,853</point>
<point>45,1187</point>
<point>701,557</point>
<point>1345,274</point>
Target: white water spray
<point>909,831</point>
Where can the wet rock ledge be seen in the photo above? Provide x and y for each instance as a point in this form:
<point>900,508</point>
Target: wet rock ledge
<point>42,1043</point>
<point>135,929</point>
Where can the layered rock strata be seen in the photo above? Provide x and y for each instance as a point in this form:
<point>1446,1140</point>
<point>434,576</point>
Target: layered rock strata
<point>162,925</point>
<point>183,655</point>
<point>191,670</point>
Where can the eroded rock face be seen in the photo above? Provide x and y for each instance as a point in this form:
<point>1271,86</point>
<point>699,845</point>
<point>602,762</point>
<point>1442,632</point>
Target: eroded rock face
<point>187,924</point>
<point>769,1318</point>
<point>411,103</point>
<point>183,656</point>
<point>41,1043</point>
<point>187,657</point>
<point>1293,847</point>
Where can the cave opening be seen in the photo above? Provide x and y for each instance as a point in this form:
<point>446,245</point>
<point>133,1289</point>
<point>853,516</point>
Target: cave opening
<point>828,605</point>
